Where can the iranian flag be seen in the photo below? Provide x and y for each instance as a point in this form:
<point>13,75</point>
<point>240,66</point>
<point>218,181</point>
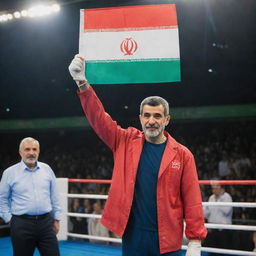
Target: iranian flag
<point>131,44</point>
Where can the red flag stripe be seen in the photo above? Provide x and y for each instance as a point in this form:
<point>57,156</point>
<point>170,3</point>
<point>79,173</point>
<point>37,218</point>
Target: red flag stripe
<point>140,16</point>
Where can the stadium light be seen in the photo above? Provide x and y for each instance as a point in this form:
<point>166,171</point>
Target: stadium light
<point>36,11</point>
<point>17,15</point>
<point>9,16</point>
<point>24,13</point>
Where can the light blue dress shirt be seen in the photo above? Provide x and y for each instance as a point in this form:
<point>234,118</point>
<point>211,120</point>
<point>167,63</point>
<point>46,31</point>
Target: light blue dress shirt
<point>219,214</point>
<point>24,191</point>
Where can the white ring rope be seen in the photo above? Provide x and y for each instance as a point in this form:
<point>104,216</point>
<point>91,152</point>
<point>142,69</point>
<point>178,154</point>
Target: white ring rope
<point>84,215</point>
<point>233,204</point>
<point>208,225</point>
<point>108,239</point>
<point>224,251</point>
<point>89,196</point>
<point>230,227</point>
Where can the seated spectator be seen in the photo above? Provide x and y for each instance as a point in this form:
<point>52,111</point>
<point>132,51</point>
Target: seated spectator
<point>95,228</point>
<point>79,223</point>
<point>218,238</point>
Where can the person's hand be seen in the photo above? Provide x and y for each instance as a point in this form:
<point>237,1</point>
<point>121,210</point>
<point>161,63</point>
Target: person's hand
<point>194,248</point>
<point>56,226</point>
<point>77,68</point>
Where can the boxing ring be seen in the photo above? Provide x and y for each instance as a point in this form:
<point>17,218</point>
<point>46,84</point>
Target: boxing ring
<point>71,248</point>
<point>64,234</point>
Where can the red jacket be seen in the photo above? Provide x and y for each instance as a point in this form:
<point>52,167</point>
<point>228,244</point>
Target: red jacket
<point>178,193</point>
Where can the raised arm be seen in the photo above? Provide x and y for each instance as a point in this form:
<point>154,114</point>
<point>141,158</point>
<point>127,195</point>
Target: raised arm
<point>101,122</point>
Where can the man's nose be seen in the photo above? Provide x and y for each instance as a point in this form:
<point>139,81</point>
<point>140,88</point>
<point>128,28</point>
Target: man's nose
<point>151,120</point>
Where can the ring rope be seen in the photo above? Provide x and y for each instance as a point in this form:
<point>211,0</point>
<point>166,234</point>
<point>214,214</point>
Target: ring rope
<point>102,238</point>
<point>230,227</point>
<point>90,181</point>
<point>84,215</point>
<point>233,204</point>
<point>224,251</point>
<point>227,182</point>
<point>208,225</point>
<point>201,182</point>
<point>88,196</point>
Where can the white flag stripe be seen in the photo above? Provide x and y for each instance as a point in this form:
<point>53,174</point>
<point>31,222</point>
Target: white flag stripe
<point>163,43</point>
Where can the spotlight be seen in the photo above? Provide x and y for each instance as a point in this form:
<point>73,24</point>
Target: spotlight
<point>17,15</point>
<point>9,16</point>
<point>4,17</point>
<point>42,10</point>
<point>36,11</point>
<point>24,13</point>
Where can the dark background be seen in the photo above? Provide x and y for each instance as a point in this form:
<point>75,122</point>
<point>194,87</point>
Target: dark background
<point>35,54</point>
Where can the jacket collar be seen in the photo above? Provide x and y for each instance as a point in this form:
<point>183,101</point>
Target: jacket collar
<point>168,155</point>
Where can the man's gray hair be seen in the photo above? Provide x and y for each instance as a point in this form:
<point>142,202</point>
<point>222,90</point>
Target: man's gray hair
<point>28,139</point>
<point>155,101</point>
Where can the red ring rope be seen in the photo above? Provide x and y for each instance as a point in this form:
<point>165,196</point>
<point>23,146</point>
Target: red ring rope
<point>201,182</point>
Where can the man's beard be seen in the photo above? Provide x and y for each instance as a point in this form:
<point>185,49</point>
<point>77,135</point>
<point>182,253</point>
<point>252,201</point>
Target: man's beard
<point>30,160</point>
<point>155,133</point>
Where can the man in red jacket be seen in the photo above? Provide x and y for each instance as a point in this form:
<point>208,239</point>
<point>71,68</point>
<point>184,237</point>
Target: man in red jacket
<point>154,182</point>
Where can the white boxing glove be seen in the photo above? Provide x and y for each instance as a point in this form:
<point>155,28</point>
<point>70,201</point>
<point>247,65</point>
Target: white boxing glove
<point>77,68</point>
<point>194,248</point>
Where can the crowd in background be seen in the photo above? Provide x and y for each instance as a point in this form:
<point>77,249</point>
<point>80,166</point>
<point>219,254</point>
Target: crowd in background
<point>222,150</point>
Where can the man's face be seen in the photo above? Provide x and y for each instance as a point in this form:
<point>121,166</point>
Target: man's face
<point>29,153</point>
<point>96,208</point>
<point>153,121</point>
<point>216,190</point>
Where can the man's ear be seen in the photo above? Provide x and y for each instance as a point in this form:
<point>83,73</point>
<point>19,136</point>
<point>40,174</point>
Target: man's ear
<point>168,120</point>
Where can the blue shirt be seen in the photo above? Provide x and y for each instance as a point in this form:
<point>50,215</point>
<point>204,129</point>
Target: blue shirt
<point>144,208</point>
<point>24,191</point>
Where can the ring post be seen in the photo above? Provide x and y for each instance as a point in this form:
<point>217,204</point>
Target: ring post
<point>62,184</point>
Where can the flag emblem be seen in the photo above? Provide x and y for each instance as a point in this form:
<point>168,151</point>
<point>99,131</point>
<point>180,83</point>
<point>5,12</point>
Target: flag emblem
<point>129,46</point>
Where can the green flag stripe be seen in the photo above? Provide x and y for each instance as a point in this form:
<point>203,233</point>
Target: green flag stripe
<point>133,72</point>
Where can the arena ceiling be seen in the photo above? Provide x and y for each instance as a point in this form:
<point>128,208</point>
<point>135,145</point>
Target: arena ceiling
<point>218,60</point>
